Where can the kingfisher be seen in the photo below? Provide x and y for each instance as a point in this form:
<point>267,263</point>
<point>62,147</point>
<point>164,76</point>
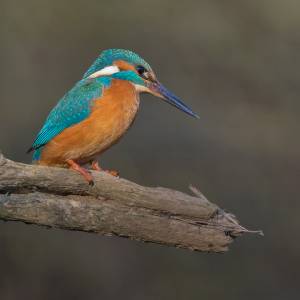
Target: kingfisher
<point>97,112</point>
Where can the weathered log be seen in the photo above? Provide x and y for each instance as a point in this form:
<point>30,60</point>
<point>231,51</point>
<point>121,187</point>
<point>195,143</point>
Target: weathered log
<point>60,198</point>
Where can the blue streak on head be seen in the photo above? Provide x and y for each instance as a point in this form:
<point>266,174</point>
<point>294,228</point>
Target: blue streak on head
<point>129,76</point>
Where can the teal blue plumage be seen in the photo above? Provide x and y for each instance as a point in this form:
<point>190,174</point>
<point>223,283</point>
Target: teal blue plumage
<point>129,76</point>
<point>73,108</point>
<point>107,57</point>
<point>76,105</point>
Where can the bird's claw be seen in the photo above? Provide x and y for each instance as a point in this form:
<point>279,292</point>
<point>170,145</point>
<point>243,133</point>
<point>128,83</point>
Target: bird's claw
<point>96,167</point>
<point>112,172</point>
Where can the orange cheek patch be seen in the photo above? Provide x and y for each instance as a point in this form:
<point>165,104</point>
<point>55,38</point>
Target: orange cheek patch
<point>124,66</point>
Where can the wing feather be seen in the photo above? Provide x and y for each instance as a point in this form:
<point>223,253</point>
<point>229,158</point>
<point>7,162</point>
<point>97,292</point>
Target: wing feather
<point>73,108</point>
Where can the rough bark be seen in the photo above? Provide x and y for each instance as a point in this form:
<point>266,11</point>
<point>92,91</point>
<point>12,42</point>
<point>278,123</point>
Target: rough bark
<point>56,197</point>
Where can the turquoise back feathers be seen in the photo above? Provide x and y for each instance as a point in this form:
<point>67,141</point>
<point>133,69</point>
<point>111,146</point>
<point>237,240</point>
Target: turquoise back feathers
<point>73,108</point>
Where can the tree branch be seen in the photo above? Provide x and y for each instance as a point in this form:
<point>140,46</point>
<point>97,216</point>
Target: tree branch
<point>60,198</point>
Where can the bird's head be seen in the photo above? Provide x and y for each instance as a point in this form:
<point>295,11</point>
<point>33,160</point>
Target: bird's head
<point>127,65</point>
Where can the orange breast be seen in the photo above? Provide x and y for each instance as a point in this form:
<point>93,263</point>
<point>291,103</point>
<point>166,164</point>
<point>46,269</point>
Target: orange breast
<point>110,118</point>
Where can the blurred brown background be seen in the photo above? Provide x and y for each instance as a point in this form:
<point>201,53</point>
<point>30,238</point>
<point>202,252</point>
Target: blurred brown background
<point>237,64</point>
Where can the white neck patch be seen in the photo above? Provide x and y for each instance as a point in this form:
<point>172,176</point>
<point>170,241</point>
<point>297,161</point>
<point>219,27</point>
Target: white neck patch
<point>105,72</point>
<point>141,88</point>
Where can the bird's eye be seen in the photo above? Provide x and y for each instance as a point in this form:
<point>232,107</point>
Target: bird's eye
<point>142,71</point>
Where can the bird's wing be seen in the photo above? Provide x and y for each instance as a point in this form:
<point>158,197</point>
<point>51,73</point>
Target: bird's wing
<point>73,108</point>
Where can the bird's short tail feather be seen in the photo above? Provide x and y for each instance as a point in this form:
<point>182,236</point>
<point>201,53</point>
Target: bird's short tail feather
<point>37,154</point>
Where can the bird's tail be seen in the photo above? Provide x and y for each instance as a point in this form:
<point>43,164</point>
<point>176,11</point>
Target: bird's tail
<point>37,154</point>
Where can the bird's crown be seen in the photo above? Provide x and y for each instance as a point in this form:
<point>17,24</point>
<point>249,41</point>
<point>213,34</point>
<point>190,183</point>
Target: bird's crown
<point>109,56</point>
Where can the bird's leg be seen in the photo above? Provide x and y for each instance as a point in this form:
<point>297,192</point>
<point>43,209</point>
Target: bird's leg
<point>87,176</point>
<point>96,167</point>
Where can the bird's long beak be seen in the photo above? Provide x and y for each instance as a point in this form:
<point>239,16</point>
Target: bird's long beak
<point>159,90</point>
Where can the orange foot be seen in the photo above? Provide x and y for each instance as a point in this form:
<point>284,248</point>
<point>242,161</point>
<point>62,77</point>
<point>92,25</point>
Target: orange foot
<point>95,166</point>
<point>85,173</point>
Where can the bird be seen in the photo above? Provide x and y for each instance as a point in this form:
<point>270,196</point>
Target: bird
<point>97,112</point>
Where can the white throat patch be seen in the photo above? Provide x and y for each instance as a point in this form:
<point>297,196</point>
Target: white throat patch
<point>105,72</point>
<point>141,89</point>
